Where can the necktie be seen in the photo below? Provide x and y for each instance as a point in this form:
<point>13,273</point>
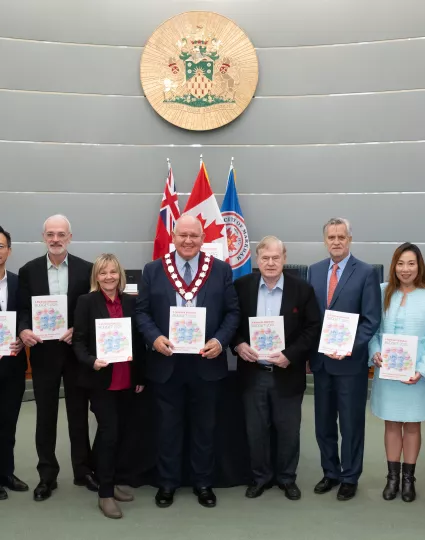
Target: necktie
<point>333,282</point>
<point>187,274</point>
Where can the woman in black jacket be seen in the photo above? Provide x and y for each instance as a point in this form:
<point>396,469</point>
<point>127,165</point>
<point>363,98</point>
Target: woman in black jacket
<point>111,386</point>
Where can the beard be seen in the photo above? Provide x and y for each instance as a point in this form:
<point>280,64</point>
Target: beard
<point>57,250</point>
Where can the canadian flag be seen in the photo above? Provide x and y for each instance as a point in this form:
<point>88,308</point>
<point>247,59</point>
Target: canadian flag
<point>202,204</point>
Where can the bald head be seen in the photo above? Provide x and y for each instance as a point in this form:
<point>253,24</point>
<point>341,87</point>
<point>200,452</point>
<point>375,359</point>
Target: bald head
<point>186,220</point>
<point>188,236</point>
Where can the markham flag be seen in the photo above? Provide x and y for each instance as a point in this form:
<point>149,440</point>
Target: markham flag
<point>202,204</point>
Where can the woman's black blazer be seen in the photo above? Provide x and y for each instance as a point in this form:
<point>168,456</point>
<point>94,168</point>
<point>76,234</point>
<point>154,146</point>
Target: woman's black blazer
<point>90,307</point>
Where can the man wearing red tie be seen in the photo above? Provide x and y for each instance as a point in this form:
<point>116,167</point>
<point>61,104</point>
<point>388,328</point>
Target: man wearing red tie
<point>343,283</point>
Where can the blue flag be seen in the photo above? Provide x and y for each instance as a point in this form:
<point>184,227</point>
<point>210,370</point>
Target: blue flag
<point>237,235</point>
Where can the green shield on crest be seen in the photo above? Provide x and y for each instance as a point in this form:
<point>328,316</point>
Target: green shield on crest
<point>206,67</point>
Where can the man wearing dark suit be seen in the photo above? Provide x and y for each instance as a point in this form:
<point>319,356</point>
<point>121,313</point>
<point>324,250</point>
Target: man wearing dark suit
<point>273,389</point>
<point>343,283</point>
<point>12,377</point>
<point>58,272</point>
<point>186,276</point>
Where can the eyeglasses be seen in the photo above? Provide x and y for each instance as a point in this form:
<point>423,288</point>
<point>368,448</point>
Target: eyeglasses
<point>51,235</point>
<point>3,246</point>
<point>189,236</point>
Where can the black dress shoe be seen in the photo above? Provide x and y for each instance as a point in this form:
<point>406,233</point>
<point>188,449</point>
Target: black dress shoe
<point>14,484</point>
<point>44,490</point>
<point>3,494</point>
<point>346,492</point>
<point>292,491</point>
<point>325,485</point>
<point>88,481</point>
<point>255,490</point>
<point>205,496</point>
<point>164,497</point>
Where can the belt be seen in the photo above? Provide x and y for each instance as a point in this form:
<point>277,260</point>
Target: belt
<point>264,367</point>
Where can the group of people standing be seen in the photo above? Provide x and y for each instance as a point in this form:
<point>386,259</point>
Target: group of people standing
<point>273,388</point>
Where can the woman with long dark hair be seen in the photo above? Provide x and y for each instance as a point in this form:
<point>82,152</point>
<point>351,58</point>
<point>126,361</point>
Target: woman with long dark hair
<point>401,404</point>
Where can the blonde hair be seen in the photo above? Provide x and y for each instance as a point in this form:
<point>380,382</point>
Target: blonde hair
<point>99,265</point>
<point>268,241</point>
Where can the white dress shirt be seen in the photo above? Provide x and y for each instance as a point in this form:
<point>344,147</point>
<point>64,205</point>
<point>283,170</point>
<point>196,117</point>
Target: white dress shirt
<point>3,292</point>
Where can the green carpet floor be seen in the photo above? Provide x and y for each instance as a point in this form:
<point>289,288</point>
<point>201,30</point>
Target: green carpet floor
<point>72,514</point>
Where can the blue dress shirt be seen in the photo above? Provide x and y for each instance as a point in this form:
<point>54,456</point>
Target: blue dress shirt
<point>269,302</point>
<point>341,268</point>
<point>57,276</point>
<point>193,263</point>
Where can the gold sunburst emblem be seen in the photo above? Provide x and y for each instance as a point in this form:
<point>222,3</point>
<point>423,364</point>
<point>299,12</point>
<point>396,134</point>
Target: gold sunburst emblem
<point>199,70</point>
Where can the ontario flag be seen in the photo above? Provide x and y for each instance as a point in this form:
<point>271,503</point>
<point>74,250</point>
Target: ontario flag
<point>202,204</point>
<point>237,234</point>
<point>168,215</point>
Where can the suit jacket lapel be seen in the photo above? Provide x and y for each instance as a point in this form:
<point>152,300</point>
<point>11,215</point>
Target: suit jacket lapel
<point>288,298</point>
<point>71,274</point>
<point>348,270</point>
<point>170,291</point>
<point>323,279</point>
<point>43,276</point>
<point>101,305</point>
<point>253,295</point>
<point>11,293</point>
<point>200,298</point>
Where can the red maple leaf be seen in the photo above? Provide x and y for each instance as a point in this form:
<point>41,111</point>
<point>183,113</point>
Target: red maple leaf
<point>213,231</point>
<point>231,240</point>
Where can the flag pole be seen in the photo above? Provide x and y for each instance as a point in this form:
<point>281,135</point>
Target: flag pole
<point>201,161</point>
<point>168,163</point>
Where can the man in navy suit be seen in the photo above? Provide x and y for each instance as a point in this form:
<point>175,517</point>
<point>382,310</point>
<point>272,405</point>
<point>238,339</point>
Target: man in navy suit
<point>343,283</point>
<point>12,377</point>
<point>186,277</point>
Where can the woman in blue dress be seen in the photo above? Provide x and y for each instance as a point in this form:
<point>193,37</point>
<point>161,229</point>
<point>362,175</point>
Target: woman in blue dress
<point>401,404</point>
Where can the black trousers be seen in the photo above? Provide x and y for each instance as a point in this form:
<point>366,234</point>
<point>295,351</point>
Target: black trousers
<point>342,396</point>
<point>12,387</point>
<point>114,410</point>
<point>186,387</point>
<point>264,406</point>
<point>51,363</point>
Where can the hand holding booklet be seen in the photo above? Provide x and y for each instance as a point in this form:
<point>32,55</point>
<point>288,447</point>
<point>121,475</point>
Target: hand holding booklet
<point>267,335</point>
<point>338,333</point>
<point>187,329</point>
<point>398,357</point>
<point>114,340</point>
<point>7,331</point>
<point>50,316</point>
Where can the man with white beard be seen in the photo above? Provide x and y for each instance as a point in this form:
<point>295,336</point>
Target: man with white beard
<point>56,273</point>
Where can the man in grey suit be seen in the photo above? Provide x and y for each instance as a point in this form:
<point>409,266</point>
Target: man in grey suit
<point>343,283</point>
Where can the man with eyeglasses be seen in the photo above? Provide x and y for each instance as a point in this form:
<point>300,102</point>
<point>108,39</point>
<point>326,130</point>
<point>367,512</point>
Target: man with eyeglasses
<point>56,273</point>
<point>274,384</point>
<point>186,277</point>
<point>12,377</point>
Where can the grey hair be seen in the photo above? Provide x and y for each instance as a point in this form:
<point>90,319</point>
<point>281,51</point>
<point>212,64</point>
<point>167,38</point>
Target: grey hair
<point>338,221</point>
<point>58,216</point>
<point>267,241</point>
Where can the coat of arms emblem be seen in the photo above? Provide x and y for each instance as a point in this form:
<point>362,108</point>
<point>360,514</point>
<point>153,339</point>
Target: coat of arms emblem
<point>210,69</point>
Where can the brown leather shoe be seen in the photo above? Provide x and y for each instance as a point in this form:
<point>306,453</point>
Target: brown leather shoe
<point>110,508</point>
<point>121,495</point>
